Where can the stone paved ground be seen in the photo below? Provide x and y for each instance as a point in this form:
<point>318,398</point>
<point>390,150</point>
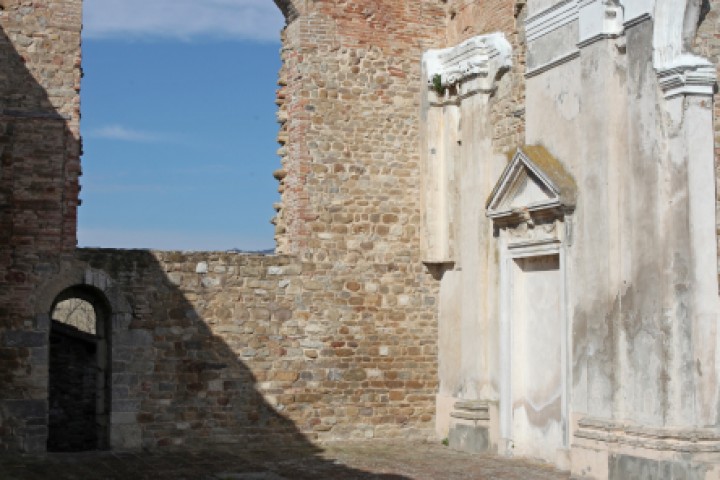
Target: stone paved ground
<point>398,460</point>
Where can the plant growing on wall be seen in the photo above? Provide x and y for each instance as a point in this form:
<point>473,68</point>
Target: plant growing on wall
<point>437,84</point>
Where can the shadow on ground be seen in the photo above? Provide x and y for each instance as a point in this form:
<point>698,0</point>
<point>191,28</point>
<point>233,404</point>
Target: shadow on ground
<point>221,463</point>
<point>369,460</point>
<point>179,391</point>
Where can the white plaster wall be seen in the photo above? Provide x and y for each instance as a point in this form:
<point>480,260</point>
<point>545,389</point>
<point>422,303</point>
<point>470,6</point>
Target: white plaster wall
<point>641,288</point>
<point>537,386</point>
<point>469,293</point>
<point>632,263</point>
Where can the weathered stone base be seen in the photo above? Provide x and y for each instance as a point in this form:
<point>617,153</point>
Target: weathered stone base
<point>603,449</point>
<point>468,424</point>
<point>469,438</point>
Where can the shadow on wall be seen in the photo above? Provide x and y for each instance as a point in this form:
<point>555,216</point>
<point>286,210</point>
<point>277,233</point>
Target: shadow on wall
<point>39,168</point>
<point>171,381</point>
<point>174,382</point>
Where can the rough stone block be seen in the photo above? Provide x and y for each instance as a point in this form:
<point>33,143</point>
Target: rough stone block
<point>128,437</point>
<point>25,339</point>
<point>24,409</point>
<point>134,338</point>
<point>468,438</point>
<point>623,467</point>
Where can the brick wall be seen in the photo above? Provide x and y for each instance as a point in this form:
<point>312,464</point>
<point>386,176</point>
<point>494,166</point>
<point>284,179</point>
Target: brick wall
<point>39,169</point>
<point>350,104</point>
<point>468,18</point>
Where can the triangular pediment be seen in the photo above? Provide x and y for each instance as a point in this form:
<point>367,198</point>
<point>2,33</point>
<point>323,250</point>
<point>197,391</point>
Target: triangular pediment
<point>532,181</point>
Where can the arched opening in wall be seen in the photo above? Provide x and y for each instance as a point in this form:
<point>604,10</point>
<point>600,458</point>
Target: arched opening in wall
<point>79,371</point>
<point>179,125</point>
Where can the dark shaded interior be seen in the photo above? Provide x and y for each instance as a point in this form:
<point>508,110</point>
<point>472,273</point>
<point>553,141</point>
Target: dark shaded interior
<point>73,387</point>
<point>78,386</point>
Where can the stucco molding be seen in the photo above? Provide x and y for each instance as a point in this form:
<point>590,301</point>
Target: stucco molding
<point>597,20</point>
<point>551,19</point>
<point>562,59</point>
<point>684,440</point>
<point>679,71</point>
<point>690,76</point>
<point>533,182</point>
<point>481,57</point>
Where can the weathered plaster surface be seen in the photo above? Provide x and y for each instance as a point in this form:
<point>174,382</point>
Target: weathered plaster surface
<point>613,92</point>
<point>583,333</point>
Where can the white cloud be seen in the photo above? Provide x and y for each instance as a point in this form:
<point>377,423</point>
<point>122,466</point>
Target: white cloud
<point>124,134</point>
<point>259,20</point>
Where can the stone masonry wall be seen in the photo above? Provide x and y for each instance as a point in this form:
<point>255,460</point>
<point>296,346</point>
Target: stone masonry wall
<point>226,348</point>
<point>469,18</point>
<point>39,169</point>
<point>349,106</point>
<point>336,342</point>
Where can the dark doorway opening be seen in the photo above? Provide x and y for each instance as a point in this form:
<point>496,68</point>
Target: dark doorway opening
<point>79,394</point>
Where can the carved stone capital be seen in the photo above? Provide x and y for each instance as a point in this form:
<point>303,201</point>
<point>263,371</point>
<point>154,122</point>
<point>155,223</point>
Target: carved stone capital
<point>689,75</point>
<point>679,71</point>
<point>480,57</point>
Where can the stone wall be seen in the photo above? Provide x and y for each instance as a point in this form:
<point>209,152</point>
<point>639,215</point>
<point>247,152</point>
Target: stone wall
<point>226,347</point>
<point>467,19</point>
<point>337,342</point>
<point>349,104</point>
<point>39,169</point>
<point>350,187</point>
<point>338,336</point>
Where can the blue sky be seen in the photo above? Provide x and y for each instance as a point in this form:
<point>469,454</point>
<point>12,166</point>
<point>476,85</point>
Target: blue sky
<point>178,124</point>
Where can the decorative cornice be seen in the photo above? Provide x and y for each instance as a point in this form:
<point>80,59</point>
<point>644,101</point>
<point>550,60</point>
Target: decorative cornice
<point>532,164</point>
<point>637,20</point>
<point>551,19</point>
<point>600,19</point>
<point>690,75</point>
<point>553,63</point>
<point>679,72</point>
<point>685,440</point>
<point>478,57</point>
<point>597,19</point>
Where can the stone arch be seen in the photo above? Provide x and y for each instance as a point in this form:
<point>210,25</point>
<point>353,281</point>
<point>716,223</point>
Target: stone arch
<point>675,29</point>
<point>288,8</point>
<point>82,276</point>
<point>79,373</point>
<point>113,316</point>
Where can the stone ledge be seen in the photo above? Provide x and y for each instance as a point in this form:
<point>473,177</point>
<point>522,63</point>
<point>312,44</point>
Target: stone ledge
<point>685,440</point>
<point>471,415</point>
<point>473,405</point>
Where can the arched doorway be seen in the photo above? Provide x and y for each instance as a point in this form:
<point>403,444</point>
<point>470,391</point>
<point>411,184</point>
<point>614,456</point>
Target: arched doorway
<point>79,394</point>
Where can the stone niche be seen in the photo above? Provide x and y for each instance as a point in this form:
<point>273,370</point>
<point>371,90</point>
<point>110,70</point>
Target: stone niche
<point>531,208</point>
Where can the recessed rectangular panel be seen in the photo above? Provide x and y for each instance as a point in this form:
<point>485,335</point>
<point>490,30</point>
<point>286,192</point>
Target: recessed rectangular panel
<point>536,365</point>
